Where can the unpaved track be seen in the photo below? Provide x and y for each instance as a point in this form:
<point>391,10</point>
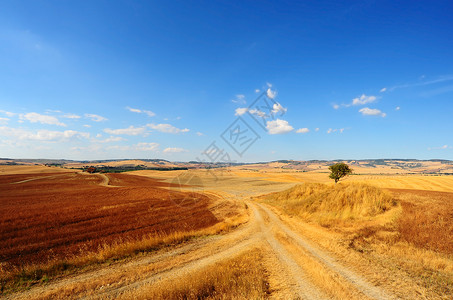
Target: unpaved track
<point>261,230</point>
<point>356,280</point>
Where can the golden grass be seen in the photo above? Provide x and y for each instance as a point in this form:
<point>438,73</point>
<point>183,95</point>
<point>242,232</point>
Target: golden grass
<point>327,204</point>
<point>419,182</point>
<point>18,278</point>
<point>241,277</point>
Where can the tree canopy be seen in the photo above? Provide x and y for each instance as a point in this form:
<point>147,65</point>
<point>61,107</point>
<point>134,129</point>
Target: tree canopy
<point>338,171</point>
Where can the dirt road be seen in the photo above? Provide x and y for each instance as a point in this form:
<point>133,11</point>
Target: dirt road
<point>286,251</point>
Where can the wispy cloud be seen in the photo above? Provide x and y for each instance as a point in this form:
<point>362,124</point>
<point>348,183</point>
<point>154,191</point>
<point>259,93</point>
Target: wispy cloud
<point>8,113</point>
<point>42,135</point>
<point>112,139</point>
<point>71,116</point>
<point>43,119</point>
<point>240,111</point>
<point>137,147</point>
<point>4,120</point>
<point>278,127</point>
<point>240,99</point>
<point>440,79</point>
<point>167,128</point>
<point>397,108</point>
<point>303,130</point>
<point>147,146</point>
<point>439,148</point>
<point>141,111</point>
<point>258,113</point>
<point>131,130</point>
<point>200,133</point>
<point>175,150</point>
<point>383,90</point>
<point>339,130</point>
<point>95,118</point>
<point>363,99</point>
<point>366,111</point>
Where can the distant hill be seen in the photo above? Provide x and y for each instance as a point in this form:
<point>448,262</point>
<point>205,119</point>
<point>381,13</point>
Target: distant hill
<point>366,166</point>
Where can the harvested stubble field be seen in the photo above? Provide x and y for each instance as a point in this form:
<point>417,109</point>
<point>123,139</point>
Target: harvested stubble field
<point>370,236</point>
<point>51,218</point>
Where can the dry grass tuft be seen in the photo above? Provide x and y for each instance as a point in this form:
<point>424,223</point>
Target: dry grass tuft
<point>328,204</point>
<point>427,221</point>
<point>242,277</point>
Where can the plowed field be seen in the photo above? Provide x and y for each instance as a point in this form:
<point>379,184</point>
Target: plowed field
<point>52,216</point>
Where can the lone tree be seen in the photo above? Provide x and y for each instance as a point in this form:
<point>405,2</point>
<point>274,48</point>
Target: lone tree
<point>338,171</point>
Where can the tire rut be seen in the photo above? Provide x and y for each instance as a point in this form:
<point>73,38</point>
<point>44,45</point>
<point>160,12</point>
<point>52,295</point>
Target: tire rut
<point>356,280</point>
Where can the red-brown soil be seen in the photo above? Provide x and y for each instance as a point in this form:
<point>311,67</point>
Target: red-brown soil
<point>59,215</point>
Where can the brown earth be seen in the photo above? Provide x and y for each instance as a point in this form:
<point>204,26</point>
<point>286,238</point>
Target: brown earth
<point>49,216</point>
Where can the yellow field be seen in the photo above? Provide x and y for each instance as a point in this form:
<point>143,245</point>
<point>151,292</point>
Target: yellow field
<point>370,236</point>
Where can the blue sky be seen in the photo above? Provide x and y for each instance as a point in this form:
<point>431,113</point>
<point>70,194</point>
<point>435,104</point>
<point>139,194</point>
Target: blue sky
<point>165,79</point>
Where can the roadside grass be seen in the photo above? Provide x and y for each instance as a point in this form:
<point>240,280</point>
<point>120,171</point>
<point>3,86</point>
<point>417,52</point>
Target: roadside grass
<point>241,277</point>
<point>15,278</point>
<point>330,205</point>
<point>408,230</point>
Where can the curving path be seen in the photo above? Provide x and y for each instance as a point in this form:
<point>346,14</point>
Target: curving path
<point>264,229</point>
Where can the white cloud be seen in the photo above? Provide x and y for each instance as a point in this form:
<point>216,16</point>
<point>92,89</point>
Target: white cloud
<point>257,90</point>
<point>240,111</point>
<point>42,135</point>
<point>397,108</point>
<point>339,130</point>
<point>150,113</point>
<point>43,119</point>
<point>383,90</point>
<point>240,99</point>
<point>271,94</point>
<point>424,83</point>
<point>112,139</point>
<point>118,147</point>
<point>71,116</point>
<point>277,107</point>
<point>439,148</point>
<point>303,130</point>
<point>200,133</point>
<point>95,118</point>
<point>135,110</point>
<point>146,146</point>
<point>364,99</point>
<point>4,120</point>
<point>131,130</point>
<point>269,84</point>
<point>366,111</point>
<point>141,111</point>
<point>8,113</point>
<point>258,113</point>
<point>316,129</point>
<point>87,126</point>
<point>137,147</point>
<point>175,150</point>
<point>167,128</point>
<point>278,127</point>
<point>336,106</point>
